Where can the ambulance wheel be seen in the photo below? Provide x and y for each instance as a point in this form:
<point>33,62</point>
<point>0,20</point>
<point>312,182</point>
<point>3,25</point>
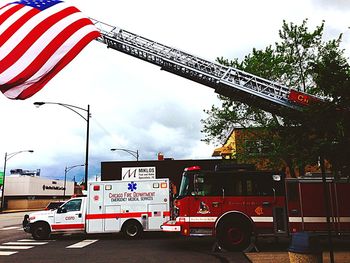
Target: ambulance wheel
<point>234,234</point>
<point>40,231</point>
<point>132,229</point>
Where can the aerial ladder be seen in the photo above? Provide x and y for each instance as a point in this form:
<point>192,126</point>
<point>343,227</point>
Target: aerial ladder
<point>227,81</point>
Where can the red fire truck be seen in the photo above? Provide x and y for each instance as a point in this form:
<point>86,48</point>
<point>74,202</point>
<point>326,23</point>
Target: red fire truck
<point>236,205</point>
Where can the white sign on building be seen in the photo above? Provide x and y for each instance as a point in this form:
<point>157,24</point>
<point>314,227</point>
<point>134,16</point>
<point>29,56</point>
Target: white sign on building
<point>138,173</point>
<point>36,186</point>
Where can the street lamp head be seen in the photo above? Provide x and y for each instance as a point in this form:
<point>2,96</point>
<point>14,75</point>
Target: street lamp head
<point>31,151</point>
<point>38,103</point>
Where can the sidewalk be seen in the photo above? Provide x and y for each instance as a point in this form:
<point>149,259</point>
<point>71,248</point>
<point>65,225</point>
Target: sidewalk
<point>282,257</point>
<point>21,211</point>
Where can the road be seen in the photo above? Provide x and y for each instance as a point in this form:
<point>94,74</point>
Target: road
<point>18,246</point>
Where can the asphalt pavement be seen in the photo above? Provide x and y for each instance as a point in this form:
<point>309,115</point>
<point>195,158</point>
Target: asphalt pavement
<point>269,251</point>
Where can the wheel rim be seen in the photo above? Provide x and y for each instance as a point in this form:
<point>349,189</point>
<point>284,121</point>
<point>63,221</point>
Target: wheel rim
<point>132,230</point>
<point>235,236</point>
<point>39,232</point>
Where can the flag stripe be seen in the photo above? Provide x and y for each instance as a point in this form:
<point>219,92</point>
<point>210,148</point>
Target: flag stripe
<point>39,45</point>
<point>36,44</point>
<point>46,53</point>
<point>27,90</point>
<point>9,23</point>
<point>3,7</point>
<point>49,38</point>
<point>7,12</point>
<point>19,35</point>
<point>33,36</point>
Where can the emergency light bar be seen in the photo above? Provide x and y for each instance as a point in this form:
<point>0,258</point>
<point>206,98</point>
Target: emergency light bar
<point>193,168</point>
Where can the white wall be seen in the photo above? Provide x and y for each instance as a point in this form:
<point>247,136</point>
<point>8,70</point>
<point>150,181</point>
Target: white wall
<point>36,186</point>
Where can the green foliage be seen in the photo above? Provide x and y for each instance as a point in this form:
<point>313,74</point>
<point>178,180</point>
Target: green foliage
<point>304,61</point>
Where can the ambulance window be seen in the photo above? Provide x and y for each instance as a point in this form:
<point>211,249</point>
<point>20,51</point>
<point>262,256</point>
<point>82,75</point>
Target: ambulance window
<point>72,205</point>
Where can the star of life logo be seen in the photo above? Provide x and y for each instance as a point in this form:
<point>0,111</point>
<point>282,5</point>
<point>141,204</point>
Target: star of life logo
<point>132,186</point>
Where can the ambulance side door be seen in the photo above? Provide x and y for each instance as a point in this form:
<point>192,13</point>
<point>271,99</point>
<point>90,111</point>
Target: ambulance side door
<point>69,216</point>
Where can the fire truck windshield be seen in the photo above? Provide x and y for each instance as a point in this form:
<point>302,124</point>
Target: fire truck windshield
<point>185,186</point>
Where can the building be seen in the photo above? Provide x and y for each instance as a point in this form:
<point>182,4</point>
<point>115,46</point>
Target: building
<point>249,145</point>
<point>27,190</point>
<point>163,168</point>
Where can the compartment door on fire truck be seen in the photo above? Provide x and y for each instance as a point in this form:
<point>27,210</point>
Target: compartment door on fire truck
<point>69,216</point>
<point>265,202</point>
<point>206,205</point>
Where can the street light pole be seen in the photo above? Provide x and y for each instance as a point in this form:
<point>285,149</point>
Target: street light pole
<point>66,170</point>
<point>87,119</point>
<point>7,157</point>
<point>133,153</point>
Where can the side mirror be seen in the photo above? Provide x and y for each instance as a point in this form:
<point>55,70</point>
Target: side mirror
<point>276,177</point>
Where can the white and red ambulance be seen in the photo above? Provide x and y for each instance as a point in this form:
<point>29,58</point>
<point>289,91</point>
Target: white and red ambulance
<point>110,206</point>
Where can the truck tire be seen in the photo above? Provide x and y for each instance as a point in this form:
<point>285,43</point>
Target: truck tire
<point>41,231</point>
<point>234,234</point>
<point>132,229</point>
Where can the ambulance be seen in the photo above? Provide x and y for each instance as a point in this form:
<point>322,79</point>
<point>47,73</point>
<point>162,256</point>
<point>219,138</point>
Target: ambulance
<point>130,207</point>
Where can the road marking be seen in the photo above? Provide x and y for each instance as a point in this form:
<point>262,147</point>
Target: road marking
<point>25,243</point>
<point>33,240</point>
<point>7,253</point>
<point>15,247</point>
<point>83,243</point>
<point>10,228</point>
<point>19,245</point>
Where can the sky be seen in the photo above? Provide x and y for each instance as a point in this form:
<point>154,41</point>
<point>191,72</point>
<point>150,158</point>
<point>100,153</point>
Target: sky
<point>134,105</point>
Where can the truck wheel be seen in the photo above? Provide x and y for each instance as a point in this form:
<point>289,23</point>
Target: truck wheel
<point>234,234</point>
<point>41,231</point>
<point>132,230</point>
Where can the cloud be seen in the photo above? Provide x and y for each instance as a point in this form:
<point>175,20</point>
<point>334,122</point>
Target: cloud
<point>334,4</point>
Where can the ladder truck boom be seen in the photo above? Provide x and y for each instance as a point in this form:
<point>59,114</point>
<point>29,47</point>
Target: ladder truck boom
<point>226,81</point>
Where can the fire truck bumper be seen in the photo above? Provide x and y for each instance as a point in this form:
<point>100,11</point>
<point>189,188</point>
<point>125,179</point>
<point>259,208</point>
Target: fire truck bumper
<point>171,226</point>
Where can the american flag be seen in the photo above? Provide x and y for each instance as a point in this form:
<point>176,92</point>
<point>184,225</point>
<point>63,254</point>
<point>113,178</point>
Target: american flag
<point>38,38</point>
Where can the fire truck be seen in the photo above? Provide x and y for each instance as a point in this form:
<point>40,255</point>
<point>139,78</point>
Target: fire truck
<point>130,207</point>
<point>238,206</point>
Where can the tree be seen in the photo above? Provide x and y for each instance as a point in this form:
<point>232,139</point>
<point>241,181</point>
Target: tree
<point>301,60</point>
